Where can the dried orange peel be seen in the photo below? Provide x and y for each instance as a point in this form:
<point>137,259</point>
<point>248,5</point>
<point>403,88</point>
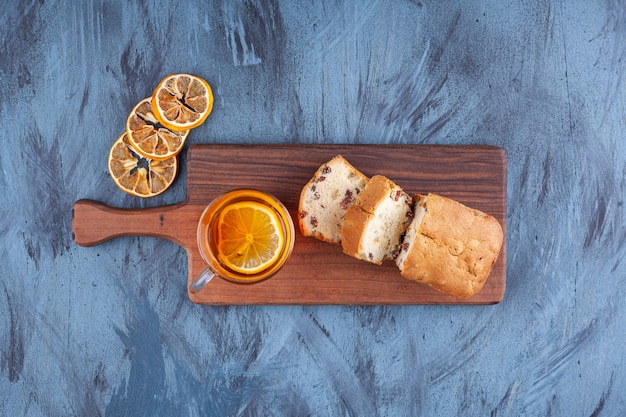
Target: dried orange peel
<point>149,137</point>
<point>182,101</point>
<point>143,161</point>
<point>137,175</point>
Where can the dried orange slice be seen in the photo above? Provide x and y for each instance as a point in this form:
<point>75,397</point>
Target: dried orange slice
<point>250,238</point>
<point>149,137</point>
<point>137,175</point>
<point>182,101</point>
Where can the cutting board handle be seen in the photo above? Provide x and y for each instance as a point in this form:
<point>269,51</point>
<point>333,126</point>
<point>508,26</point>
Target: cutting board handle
<point>94,223</point>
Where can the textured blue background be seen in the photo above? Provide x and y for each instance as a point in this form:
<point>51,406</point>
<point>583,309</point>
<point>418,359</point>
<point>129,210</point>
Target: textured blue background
<point>109,330</point>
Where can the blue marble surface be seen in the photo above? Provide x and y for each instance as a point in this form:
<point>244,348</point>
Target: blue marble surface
<point>109,330</point>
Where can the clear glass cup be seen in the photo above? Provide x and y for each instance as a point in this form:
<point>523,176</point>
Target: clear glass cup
<point>209,238</point>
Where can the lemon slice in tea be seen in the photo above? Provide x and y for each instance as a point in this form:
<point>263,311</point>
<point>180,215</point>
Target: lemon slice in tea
<point>250,237</point>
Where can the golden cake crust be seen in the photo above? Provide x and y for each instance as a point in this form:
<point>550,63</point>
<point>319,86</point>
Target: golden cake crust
<point>455,247</point>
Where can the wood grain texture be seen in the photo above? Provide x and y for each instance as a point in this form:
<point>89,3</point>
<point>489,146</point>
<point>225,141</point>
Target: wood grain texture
<point>317,272</point>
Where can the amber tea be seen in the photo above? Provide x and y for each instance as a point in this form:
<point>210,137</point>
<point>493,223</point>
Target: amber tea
<point>245,236</point>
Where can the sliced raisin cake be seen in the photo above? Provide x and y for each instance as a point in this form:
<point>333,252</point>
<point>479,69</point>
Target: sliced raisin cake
<point>375,223</point>
<point>325,199</point>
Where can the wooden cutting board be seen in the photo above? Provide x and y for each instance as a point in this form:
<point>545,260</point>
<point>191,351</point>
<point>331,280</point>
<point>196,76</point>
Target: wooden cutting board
<point>317,272</point>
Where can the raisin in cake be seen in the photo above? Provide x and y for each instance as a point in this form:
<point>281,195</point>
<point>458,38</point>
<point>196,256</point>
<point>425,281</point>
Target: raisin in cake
<point>375,223</point>
<point>449,246</point>
<point>325,199</point>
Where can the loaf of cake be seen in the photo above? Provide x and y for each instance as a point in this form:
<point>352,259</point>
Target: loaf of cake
<point>449,246</point>
<point>375,223</point>
<point>325,199</point>
<point>432,239</point>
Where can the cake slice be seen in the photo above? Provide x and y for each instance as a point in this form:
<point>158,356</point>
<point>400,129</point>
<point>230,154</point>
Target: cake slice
<point>449,246</point>
<point>325,199</point>
<point>374,224</point>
